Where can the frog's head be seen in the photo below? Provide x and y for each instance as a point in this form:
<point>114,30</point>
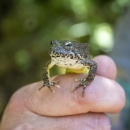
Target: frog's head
<point>69,49</point>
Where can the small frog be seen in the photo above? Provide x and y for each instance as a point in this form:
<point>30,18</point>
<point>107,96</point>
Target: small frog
<point>75,57</point>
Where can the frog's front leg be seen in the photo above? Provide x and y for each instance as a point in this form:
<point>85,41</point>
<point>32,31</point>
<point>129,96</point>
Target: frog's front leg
<point>85,82</point>
<point>46,77</point>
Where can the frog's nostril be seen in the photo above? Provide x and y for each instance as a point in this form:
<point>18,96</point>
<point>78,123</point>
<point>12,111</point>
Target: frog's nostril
<point>56,41</point>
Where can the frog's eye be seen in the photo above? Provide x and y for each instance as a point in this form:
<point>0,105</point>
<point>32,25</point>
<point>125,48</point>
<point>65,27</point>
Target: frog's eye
<point>51,42</point>
<point>68,44</point>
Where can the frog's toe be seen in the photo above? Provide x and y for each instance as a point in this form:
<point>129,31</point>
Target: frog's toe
<point>57,86</point>
<point>84,90</point>
<point>82,94</point>
<point>54,83</point>
<point>80,80</point>
<point>51,89</point>
<point>84,87</point>
<point>76,87</point>
<point>42,87</point>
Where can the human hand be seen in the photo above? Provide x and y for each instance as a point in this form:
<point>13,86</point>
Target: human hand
<point>31,109</point>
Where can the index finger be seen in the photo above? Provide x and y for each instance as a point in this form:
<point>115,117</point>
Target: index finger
<point>106,67</point>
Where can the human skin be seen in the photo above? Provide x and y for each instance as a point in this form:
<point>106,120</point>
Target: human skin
<point>31,109</point>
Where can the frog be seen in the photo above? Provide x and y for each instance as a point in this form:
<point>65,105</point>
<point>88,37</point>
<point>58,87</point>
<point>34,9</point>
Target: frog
<point>74,56</point>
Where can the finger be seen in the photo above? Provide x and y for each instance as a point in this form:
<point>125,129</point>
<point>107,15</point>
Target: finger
<point>100,96</point>
<point>90,121</point>
<point>106,67</point>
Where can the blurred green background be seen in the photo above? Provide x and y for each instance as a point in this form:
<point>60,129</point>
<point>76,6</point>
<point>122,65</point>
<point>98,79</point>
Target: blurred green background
<point>28,26</point>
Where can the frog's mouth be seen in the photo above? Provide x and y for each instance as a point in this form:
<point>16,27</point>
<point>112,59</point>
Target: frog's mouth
<point>56,54</point>
<point>68,55</point>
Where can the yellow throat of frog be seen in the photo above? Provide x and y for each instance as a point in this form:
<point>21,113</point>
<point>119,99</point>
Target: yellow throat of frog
<point>80,71</point>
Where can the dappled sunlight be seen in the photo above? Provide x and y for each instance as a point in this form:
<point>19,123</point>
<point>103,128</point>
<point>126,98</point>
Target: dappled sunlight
<point>103,36</point>
<point>79,30</point>
<point>78,6</point>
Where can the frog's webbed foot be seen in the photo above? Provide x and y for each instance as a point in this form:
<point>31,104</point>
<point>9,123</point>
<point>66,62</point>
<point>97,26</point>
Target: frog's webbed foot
<point>83,83</point>
<point>52,83</point>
